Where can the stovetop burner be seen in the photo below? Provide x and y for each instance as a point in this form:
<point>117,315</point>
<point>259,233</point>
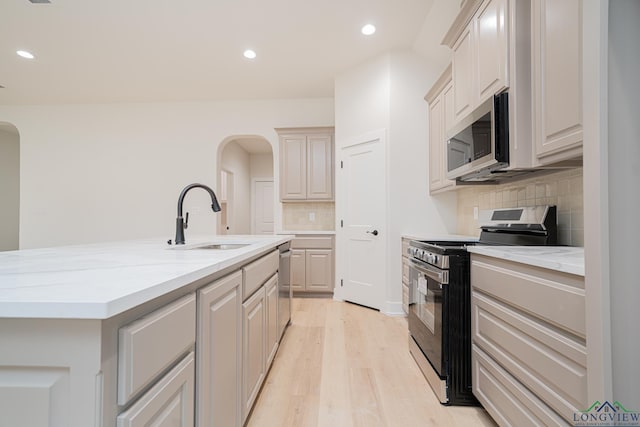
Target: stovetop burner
<point>527,226</point>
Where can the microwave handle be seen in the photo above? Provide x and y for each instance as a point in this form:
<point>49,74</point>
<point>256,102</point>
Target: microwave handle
<point>501,127</point>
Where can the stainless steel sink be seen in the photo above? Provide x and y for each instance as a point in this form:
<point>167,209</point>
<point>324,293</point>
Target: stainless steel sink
<point>210,246</point>
<point>221,246</point>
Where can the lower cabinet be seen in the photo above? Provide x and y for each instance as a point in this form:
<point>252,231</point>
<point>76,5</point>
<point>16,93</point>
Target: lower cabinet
<point>220,353</point>
<point>253,360</point>
<point>529,353</point>
<point>271,299</point>
<point>312,264</point>
<point>169,403</point>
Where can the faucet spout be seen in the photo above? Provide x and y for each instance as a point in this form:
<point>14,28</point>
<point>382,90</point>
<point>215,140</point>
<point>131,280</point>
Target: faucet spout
<point>180,224</point>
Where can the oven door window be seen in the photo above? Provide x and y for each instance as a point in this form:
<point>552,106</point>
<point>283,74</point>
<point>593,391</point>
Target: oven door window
<point>426,304</point>
<point>425,317</point>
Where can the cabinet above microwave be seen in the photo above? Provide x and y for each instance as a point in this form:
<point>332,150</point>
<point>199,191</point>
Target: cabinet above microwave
<point>492,43</point>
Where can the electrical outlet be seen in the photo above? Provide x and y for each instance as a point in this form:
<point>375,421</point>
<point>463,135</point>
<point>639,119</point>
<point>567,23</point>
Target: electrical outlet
<point>475,212</point>
<point>312,216</point>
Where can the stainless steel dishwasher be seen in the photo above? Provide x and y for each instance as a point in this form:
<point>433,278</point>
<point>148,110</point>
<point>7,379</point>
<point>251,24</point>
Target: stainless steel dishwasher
<point>284,288</point>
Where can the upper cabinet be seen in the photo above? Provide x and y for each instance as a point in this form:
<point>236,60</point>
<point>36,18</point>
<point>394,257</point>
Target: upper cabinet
<point>557,79</point>
<point>306,164</point>
<point>492,49</point>
<point>480,58</point>
<point>441,116</point>
<point>463,75</point>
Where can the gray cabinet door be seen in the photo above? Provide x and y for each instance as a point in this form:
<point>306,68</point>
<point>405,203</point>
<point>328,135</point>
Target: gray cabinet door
<point>319,167</point>
<point>254,348</point>
<point>557,79</point>
<point>319,270</point>
<point>293,167</point>
<point>298,268</point>
<point>170,403</point>
<point>219,352</point>
<point>271,295</point>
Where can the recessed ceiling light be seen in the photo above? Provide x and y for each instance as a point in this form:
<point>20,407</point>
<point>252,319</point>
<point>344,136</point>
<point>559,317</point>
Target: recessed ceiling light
<point>25,54</point>
<point>368,29</point>
<point>249,54</point>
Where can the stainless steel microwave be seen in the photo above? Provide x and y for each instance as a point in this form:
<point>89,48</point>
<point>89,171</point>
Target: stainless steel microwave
<point>478,145</point>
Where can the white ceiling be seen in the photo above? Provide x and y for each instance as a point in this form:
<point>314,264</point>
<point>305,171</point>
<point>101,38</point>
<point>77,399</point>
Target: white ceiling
<point>95,51</point>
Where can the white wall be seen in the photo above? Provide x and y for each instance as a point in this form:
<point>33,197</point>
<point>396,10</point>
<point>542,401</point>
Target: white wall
<point>237,161</point>
<point>9,187</point>
<point>412,210</point>
<point>110,172</point>
<point>387,93</point>
<point>261,165</point>
<point>624,198</point>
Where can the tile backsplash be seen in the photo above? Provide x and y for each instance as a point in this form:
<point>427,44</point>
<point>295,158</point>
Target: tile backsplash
<point>562,189</point>
<point>298,216</point>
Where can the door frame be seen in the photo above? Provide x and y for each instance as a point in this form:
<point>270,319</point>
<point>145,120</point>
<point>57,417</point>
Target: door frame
<point>340,207</point>
<point>228,201</point>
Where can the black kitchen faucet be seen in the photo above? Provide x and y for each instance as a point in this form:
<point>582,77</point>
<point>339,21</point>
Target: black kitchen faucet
<point>181,224</point>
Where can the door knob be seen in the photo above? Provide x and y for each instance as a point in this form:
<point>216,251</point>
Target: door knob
<point>374,232</point>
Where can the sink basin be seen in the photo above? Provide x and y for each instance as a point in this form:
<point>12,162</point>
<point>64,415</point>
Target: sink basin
<point>221,246</point>
<point>211,246</point>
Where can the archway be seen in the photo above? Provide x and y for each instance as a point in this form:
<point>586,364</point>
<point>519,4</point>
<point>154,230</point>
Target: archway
<point>9,187</point>
<point>245,185</point>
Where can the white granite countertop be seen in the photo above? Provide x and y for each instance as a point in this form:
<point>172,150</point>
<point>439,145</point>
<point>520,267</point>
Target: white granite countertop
<point>304,232</point>
<point>98,281</point>
<point>567,259</point>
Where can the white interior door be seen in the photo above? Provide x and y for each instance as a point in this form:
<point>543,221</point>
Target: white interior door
<point>263,222</point>
<point>363,210</point>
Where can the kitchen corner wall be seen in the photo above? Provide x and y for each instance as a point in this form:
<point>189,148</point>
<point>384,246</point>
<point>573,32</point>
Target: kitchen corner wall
<point>295,216</point>
<point>562,189</point>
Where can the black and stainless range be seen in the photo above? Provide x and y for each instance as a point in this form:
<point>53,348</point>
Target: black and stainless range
<point>440,296</point>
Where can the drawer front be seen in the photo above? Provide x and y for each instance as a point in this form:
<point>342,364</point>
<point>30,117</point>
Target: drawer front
<point>556,298</point>
<point>256,273</point>
<point>508,401</point>
<point>312,242</point>
<point>149,345</point>
<point>168,403</point>
<point>551,364</point>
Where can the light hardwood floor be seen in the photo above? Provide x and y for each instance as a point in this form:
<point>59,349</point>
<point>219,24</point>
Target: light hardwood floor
<point>343,365</point>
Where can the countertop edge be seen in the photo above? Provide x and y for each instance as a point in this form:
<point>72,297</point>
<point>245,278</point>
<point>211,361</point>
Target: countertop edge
<point>548,261</point>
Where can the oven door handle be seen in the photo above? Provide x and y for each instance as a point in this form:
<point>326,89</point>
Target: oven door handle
<point>441,276</point>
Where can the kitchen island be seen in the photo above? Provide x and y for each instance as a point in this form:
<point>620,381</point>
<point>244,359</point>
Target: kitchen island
<point>106,334</point>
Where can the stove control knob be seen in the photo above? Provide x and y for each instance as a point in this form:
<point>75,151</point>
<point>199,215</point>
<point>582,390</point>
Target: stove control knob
<point>435,259</point>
